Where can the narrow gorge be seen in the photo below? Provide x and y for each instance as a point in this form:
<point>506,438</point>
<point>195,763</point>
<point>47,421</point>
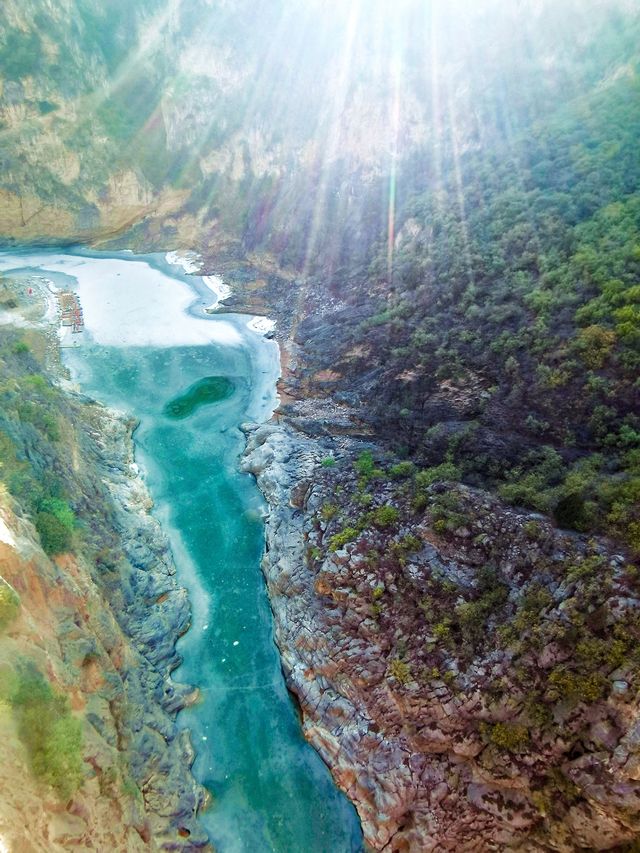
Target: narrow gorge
<point>320,426</point>
<point>147,349</point>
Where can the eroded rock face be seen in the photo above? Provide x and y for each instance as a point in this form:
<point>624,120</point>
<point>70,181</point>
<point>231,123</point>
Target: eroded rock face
<point>103,632</point>
<point>469,677</point>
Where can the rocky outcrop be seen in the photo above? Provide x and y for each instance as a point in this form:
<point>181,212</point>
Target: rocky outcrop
<point>101,624</point>
<point>468,672</point>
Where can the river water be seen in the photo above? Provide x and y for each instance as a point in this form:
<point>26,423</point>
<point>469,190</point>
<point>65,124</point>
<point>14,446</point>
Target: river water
<point>191,379</point>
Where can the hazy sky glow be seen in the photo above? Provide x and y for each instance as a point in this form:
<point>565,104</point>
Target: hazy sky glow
<point>351,86</point>
<point>301,106</point>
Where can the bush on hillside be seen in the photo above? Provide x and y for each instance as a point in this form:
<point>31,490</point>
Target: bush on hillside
<point>51,735</point>
<point>9,604</point>
<point>55,536</point>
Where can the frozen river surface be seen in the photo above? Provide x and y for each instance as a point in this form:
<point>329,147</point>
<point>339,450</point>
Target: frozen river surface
<point>191,379</point>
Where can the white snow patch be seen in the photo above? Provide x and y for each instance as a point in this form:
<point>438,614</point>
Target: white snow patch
<point>261,325</point>
<point>128,303</point>
<point>190,262</point>
<point>6,534</point>
<point>219,289</point>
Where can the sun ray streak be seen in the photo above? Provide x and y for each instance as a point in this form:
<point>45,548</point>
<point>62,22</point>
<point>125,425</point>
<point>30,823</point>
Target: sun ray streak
<point>457,171</point>
<point>334,134</point>
<point>393,168</point>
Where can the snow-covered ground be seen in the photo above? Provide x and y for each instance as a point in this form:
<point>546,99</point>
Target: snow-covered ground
<point>219,289</point>
<point>130,303</point>
<point>261,325</point>
<point>191,262</point>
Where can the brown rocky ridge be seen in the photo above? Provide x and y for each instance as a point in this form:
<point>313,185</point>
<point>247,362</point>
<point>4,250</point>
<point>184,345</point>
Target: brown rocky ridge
<point>468,671</point>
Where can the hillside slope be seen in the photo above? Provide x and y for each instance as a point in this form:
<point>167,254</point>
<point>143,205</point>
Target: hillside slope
<point>89,616</point>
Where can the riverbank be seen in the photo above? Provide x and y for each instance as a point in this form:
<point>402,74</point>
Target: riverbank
<point>147,341</point>
<point>153,610</point>
<point>428,652</point>
<point>97,621</point>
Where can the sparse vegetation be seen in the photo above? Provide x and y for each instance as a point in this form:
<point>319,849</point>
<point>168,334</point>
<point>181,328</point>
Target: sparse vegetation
<point>399,670</point>
<point>508,736</point>
<point>32,463</point>
<point>339,540</point>
<point>9,604</point>
<point>50,733</point>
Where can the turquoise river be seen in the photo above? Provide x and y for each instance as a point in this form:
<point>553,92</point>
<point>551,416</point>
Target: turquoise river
<point>191,379</point>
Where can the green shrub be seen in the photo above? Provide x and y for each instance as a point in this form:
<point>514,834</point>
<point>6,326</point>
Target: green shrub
<point>339,540</point>
<point>385,517</point>
<point>61,510</point>
<point>9,604</point>
<point>328,511</point>
<point>532,530</point>
<point>36,382</point>
<point>536,483</point>
<point>428,476</point>
<point>509,736</point>
<point>402,470</point>
<point>399,670</point>
<point>51,735</point>
<point>405,546</point>
<point>447,513</point>
<point>364,464</point>
<point>573,687</point>
<point>366,468</point>
<point>538,714</point>
<point>442,631</point>
<point>534,600</point>
<point>595,344</point>
<point>328,462</point>
<point>34,413</point>
<point>411,543</point>
<point>471,616</point>
<point>419,503</point>
<point>55,536</point>
<point>593,653</point>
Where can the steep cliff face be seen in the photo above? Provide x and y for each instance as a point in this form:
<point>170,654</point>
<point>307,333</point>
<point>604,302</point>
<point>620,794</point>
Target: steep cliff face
<point>135,789</point>
<point>90,613</point>
<point>235,126</point>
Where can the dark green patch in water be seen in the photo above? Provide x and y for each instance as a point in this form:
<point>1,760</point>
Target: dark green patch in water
<point>205,392</point>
